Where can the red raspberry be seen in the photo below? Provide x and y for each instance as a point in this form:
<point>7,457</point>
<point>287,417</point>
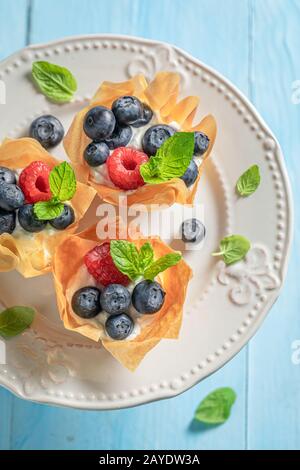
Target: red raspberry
<point>101,266</point>
<point>34,182</point>
<point>124,167</point>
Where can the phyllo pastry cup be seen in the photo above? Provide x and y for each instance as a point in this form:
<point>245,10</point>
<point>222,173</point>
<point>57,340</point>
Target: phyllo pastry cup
<point>71,274</point>
<point>31,253</point>
<point>162,95</point>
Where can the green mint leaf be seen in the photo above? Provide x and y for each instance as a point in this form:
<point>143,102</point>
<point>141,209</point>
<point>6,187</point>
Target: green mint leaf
<point>54,81</point>
<point>14,320</point>
<point>126,258</point>
<point>150,170</point>
<point>48,210</point>
<point>216,407</point>
<point>233,248</point>
<point>161,265</point>
<point>146,256</point>
<point>62,181</point>
<point>171,160</point>
<point>249,181</point>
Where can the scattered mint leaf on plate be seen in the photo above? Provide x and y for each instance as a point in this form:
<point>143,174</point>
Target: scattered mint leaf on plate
<point>233,248</point>
<point>48,210</point>
<point>161,265</point>
<point>249,181</point>
<point>171,159</point>
<point>140,263</point>
<point>54,81</point>
<point>62,181</point>
<point>215,408</point>
<point>15,320</point>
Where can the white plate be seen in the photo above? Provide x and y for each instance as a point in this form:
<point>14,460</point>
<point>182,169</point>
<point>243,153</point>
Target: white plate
<point>225,306</point>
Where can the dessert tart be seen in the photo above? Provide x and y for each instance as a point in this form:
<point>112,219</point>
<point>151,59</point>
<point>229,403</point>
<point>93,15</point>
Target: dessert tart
<point>125,142</point>
<point>40,204</point>
<point>126,293</point>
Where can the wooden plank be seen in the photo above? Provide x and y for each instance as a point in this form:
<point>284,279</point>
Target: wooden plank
<point>6,408</point>
<point>274,414</point>
<point>13,18</point>
<point>221,41</point>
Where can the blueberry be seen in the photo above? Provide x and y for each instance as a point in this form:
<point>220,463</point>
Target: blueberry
<point>86,302</point>
<point>29,221</point>
<point>127,109</point>
<point>148,297</point>
<point>155,136</point>
<point>192,231</point>
<point>11,197</point>
<point>119,326</point>
<point>7,221</point>
<point>120,137</point>
<point>115,298</point>
<point>47,130</point>
<point>7,175</point>
<point>96,153</point>
<point>191,173</point>
<point>146,117</point>
<point>201,143</point>
<point>99,123</point>
<point>66,218</point>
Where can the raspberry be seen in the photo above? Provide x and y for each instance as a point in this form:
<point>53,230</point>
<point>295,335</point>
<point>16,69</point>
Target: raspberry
<point>34,182</point>
<point>124,167</point>
<point>101,266</point>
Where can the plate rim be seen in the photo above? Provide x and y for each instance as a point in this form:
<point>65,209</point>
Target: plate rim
<point>164,394</point>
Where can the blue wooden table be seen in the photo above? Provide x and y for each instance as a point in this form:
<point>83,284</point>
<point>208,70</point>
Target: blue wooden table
<point>255,43</point>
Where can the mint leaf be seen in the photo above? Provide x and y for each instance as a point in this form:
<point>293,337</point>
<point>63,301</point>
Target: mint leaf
<point>63,181</point>
<point>150,170</point>
<point>171,160</point>
<point>54,81</point>
<point>48,210</point>
<point>249,181</point>
<point>216,407</point>
<point>161,265</point>
<point>135,264</point>
<point>146,255</point>
<point>126,258</point>
<point>14,320</point>
<point>233,248</point>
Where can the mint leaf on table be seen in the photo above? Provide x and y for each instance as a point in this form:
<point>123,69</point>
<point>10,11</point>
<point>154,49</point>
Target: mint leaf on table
<point>48,210</point>
<point>54,81</point>
<point>15,320</point>
<point>233,248</point>
<point>216,407</point>
<point>140,263</point>
<point>63,181</point>
<point>171,159</point>
<point>161,265</point>
<point>249,181</point>
<point>146,255</point>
